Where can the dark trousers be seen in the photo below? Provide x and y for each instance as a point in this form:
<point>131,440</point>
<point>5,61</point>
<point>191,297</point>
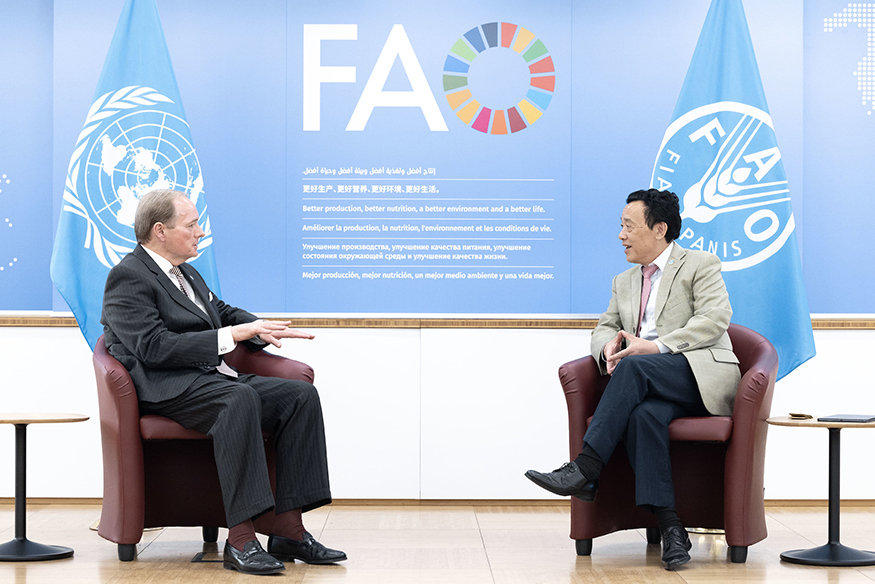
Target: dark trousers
<point>234,413</point>
<point>645,393</point>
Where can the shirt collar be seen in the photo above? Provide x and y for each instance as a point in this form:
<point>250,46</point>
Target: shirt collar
<point>662,259</point>
<point>163,263</point>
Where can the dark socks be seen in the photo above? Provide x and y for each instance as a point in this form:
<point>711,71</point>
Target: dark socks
<point>589,463</point>
<point>666,517</point>
<point>290,525</point>
<point>241,534</point>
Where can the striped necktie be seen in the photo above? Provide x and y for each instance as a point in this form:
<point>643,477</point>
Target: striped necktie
<point>223,367</point>
<point>179,278</point>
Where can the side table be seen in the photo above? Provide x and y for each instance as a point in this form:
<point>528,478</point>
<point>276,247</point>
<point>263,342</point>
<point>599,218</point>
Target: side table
<point>833,553</point>
<point>22,549</point>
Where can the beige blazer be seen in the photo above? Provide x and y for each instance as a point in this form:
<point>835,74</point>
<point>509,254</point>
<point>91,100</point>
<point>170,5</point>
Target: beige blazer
<point>692,315</point>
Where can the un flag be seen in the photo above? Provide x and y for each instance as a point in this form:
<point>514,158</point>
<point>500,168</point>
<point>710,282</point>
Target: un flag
<point>721,156</point>
<point>135,139</point>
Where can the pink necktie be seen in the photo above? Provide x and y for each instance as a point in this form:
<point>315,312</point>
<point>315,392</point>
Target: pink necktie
<point>648,272</point>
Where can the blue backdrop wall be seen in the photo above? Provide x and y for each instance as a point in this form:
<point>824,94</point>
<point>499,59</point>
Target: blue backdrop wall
<point>353,205</point>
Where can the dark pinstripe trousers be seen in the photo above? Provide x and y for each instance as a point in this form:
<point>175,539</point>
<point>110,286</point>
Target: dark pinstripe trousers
<point>645,393</point>
<point>234,413</point>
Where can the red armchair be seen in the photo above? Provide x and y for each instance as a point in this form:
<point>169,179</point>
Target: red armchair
<point>717,462</point>
<point>155,472</point>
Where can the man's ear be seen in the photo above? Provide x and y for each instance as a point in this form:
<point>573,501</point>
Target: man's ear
<point>661,229</point>
<point>158,231</point>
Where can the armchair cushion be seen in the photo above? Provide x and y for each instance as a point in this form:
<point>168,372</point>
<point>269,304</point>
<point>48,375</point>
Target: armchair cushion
<point>704,429</point>
<point>161,428</point>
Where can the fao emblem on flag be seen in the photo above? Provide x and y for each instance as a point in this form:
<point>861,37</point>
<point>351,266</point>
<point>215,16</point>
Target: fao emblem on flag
<point>131,143</point>
<point>723,162</point>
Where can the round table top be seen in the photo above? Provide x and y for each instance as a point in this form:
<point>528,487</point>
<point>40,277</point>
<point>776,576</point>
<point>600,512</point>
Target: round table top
<point>813,423</point>
<point>39,418</point>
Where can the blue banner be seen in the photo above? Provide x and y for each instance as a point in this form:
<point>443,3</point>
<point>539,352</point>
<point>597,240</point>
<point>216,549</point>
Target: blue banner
<point>135,139</point>
<point>428,158</point>
<point>720,155</point>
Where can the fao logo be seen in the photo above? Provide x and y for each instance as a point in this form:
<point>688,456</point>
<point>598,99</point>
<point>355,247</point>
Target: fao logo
<point>129,145</point>
<point>722,161</point>
<point>499,78</point>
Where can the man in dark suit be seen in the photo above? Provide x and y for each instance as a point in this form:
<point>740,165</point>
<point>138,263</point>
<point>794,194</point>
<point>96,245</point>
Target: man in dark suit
<point>663,340</point>
<point>167,328</point>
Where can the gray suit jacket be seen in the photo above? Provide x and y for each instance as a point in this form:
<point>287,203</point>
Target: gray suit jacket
<point>692,315</point>
<point>161,337</point>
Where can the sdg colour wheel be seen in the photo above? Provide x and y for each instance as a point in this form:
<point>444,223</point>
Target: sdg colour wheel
<point>498,36</point>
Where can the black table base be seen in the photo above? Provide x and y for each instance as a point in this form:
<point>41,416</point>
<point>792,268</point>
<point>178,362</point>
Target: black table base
<point>24,550</point>
<point>21,549</point>
<point>833,553</point>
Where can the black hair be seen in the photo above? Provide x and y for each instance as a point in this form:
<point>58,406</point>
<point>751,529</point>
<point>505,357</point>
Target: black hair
<point>660,207</point>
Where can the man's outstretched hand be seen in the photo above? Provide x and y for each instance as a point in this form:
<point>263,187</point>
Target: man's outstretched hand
<point>269,331</point>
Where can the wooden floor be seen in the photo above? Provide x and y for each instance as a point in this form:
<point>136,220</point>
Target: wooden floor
<point>439,544</point>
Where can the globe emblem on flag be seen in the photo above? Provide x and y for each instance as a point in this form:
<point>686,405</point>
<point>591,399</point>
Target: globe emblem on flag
<point>137,153</point>
<point>130,145</point>
<point>723,162</point>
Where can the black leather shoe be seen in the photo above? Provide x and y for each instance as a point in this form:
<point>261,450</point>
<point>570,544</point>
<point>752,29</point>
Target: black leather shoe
<point>309,550</point>
<point>676,546</point>
<point>566,480</point>
<point>252,560</point>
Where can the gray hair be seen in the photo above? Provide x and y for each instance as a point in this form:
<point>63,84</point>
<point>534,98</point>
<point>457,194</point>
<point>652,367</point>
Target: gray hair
<point>158,206</point>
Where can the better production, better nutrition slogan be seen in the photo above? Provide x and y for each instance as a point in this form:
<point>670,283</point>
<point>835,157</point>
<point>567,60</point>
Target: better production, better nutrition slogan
<point>389,224</point>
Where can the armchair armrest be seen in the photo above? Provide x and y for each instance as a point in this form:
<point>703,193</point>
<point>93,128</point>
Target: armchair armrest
<point>583,385</point>
<point>268,364</point>
<point>123,478</point>
<point>745,456</point>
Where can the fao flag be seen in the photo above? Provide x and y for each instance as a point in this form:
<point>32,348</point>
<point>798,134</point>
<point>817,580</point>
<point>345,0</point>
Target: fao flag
<point>721,157</point>
<point>135,139</point>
